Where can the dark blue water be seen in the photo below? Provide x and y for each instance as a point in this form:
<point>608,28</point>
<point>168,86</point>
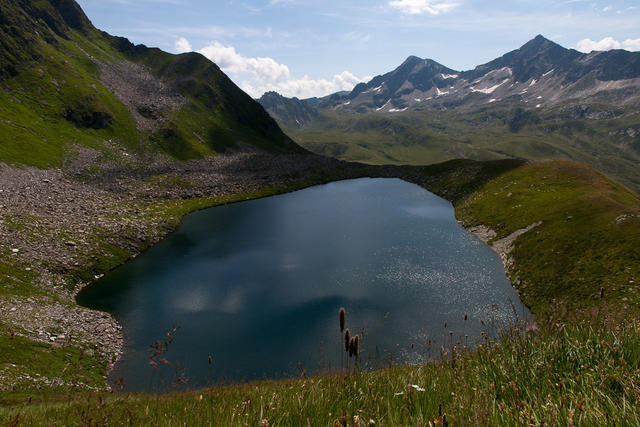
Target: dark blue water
<point>257,285</point>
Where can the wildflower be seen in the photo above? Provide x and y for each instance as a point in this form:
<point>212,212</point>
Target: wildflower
<point>416,387</point>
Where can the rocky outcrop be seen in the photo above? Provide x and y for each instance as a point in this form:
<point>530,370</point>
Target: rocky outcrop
<point>504,246</point>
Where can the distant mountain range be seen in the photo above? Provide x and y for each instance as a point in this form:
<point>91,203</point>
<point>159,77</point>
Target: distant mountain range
<point>541,73</point>
<point>425,112</point>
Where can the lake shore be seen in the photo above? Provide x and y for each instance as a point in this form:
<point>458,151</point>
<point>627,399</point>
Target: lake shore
<point>64,228</point>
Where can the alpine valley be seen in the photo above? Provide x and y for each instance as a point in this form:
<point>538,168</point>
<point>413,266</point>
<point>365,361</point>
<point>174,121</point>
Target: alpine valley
<point>539,101</point>
<point>105,146</point>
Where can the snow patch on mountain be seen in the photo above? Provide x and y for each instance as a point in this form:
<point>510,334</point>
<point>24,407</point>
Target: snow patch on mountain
<point>489,90</point>
<point>374,89</point>
<point>384,106</point>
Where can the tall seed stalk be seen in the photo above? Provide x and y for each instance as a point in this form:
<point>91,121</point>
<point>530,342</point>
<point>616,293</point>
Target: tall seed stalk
<point>342,314</point>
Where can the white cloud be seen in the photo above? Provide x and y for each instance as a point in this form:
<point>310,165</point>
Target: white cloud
<point>306,87</point>
<point>415,7</point>
<point>633,45</point>
<point>182,45</point>
<point>267,74</point>
<point>230,61</point>
<point>607,43</point>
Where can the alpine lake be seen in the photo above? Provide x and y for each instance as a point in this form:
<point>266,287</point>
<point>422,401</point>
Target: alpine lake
<point>252,290</point>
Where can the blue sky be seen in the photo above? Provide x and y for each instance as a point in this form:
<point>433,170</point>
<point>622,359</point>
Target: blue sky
<point>310,48</point>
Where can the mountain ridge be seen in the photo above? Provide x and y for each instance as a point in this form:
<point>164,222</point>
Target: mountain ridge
<point>417,81</point>
<point>535,102</point>
<point>83,87</point>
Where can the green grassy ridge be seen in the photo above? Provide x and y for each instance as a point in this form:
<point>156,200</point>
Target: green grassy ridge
<point>51,94</point>
<point>34,103</point>
<point>589,238</point>
<point>209,88</point>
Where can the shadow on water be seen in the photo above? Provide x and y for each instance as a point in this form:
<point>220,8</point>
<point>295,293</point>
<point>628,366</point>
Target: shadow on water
<point>256,286</point>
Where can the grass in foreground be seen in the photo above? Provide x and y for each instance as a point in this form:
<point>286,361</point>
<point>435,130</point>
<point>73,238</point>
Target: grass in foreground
<point>581,374</point>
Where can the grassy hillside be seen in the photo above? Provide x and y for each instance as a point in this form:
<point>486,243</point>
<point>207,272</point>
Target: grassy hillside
<point>579,367</point>
<point>492,132</point>
<point>64,85</point>
<point>588,238</point>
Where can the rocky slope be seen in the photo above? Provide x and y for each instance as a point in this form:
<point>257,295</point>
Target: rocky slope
<point>104,146</point>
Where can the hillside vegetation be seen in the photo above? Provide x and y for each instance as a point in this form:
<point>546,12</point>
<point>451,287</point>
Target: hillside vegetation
<point>66,85</point>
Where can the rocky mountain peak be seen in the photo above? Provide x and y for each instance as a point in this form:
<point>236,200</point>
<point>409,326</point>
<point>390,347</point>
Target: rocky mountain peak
<point>290,111</point>
<point>411,61</point>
